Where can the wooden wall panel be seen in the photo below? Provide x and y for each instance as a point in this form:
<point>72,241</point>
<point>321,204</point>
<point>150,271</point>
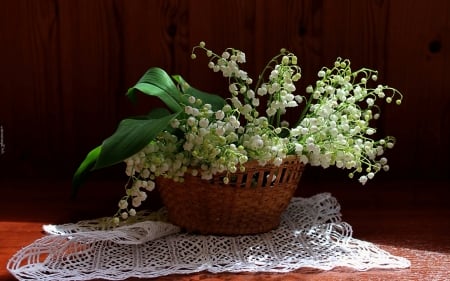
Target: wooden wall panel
<point>66,65</point>
<point>417,59</point>
<point>29,93</point>
<point>89,76</point>
<point>220,24</point>
<point>153,33</point>
<point>356,30</point>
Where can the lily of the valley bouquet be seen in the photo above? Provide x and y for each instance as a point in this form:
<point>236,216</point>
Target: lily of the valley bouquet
<point>205,134</point>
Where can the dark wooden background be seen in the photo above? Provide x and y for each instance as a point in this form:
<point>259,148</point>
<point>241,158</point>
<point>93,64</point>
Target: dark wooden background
<point>66,65</point>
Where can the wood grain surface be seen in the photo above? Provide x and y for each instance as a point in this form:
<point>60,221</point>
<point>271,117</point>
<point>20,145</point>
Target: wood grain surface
<point>413,226</point>
<point>66,65</point>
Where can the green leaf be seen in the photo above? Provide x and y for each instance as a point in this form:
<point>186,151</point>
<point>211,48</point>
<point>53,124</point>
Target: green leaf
<point>153,114</point>
<point>216,101</point>
<point>156,82</point>
<point>154,122</point>
<point>83,170</point>
<point>135,133</point>
<point>131,136</point>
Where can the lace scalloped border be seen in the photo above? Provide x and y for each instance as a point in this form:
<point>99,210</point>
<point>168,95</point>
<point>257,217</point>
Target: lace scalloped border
<point>312,234</point>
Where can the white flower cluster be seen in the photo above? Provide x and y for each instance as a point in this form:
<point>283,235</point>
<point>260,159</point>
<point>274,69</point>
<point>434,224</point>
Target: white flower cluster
<point>333,128</point>
<point>336,130</point>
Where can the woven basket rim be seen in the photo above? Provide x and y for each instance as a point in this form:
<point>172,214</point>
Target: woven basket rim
<point>249,205</point>
<point>250,164</point>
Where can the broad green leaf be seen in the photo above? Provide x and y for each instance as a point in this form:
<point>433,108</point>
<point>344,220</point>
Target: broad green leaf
<point>130,137</point>
<point>216,101</point>
<point>89,162</point>
<point>158,113</point>
<point>154,113</point>
<point>85,167</point>
<point>156,82</point>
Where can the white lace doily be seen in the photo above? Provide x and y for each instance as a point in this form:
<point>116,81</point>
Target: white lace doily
<point>311,234</point>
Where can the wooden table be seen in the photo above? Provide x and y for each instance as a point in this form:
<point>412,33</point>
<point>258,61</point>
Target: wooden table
<point>409,219</point>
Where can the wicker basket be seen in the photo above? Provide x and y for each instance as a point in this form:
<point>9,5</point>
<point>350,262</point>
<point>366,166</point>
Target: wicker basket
<point>249,204</point>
